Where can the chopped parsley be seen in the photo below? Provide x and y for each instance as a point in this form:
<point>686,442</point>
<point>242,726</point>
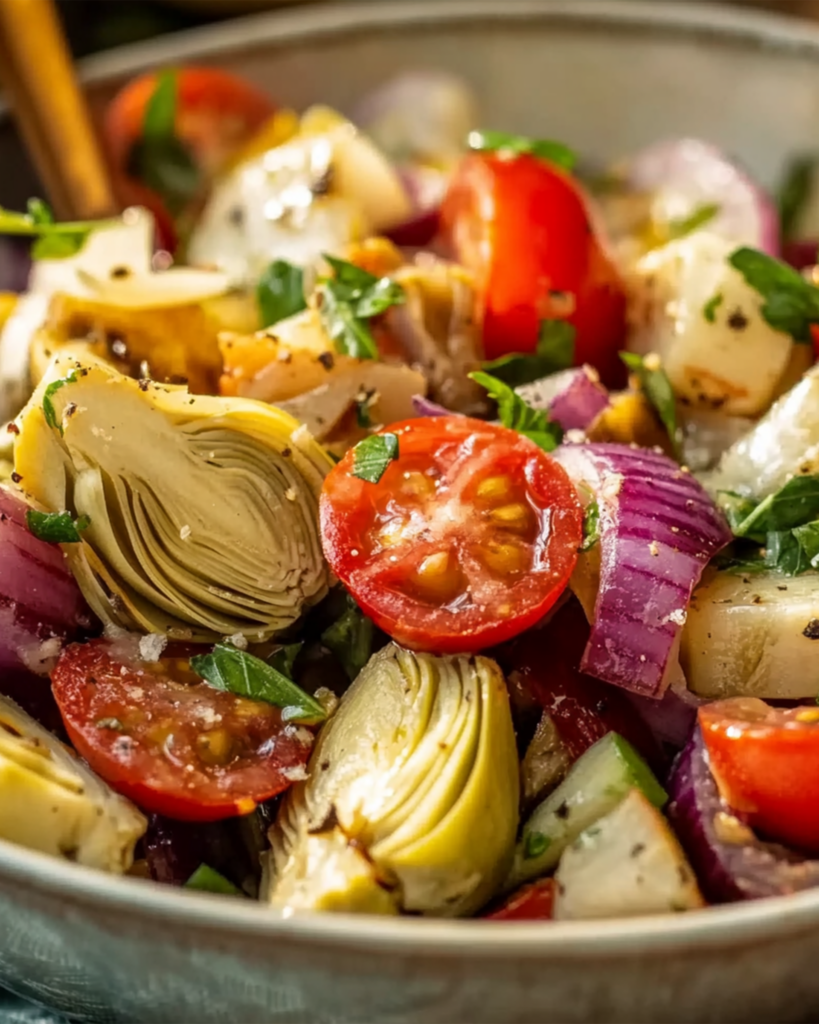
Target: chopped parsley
<point>535,844</point>
<point>56,527</point>
<point>48,406</point>
<point>280,292</point>
<point>554,352</point>
<point>348,301</point>
<point>791,303</point>
<point>545,149</point>
<point>657,389</point>
<point>206,879</point>
<point>518,415</point>
<point>591,526</point>
<point>709,310</point>
<point>372,456</point>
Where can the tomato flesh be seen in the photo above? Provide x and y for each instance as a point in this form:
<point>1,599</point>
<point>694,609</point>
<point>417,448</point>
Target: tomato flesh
<point>533,902</point>
<point>522,226</point>
<point>468,538</point>
<point>171,743</point>
<point>766,764</point>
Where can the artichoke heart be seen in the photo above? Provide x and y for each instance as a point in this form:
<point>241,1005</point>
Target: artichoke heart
<point>418,770</point>
<point>49,801</point>
<point>203,511</point>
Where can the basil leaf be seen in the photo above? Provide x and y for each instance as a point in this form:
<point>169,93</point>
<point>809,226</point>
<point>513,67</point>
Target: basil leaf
<point>517,414</point>
<point>56,527</point>
<point>372,456</point>
<point>284,658</point>
<point>709,310</point>
<point>736,508</point>
<point>159,121</point>
<point>205,879</point>
<point>350,275</point>
<point>696,219</point>
<point>808,537</point>
<point>350,638</point>
<point>657,388</point>
<point>48,405</point>
<point>545,149</point>
<point>591,526</point>
<point>791,303</point>
<point>794,504</point>
<point>554,352</point>
<point>795,192</point>
<point>784,553</point>
<point>280,292</point>
<point>349,300</point>
<point>234,671</point>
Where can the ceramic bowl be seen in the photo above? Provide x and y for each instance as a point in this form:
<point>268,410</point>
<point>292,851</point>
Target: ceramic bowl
<point>605,77</point>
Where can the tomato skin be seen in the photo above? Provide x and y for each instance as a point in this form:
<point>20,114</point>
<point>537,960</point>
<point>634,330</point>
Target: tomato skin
<point>448,458</point>
<point>546,662</point>
<point>148,747</point>
<point>766,764</point>
<point>534,902</point>
<point>522,226</point>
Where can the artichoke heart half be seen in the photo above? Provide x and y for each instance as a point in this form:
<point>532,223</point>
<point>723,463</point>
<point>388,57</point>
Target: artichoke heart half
<point>203,511</point>
<point>417,771</point>
<point>49,800</point>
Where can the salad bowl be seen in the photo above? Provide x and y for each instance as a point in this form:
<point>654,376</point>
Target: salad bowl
<point>608,77</point>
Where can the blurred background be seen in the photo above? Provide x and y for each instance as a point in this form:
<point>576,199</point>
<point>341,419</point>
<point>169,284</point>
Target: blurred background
<point>94,25</point>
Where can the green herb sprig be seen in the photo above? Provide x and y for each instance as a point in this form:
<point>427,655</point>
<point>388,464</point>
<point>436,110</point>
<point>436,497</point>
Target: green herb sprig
<point>56,527</point>
<point>349,300</point>
<point>52,241</point>
<point>657,389</point>
<point>207,879</point>
<point>554,352</point>
<point>48,406</point>
<point>350,638</point>
<point>372,456</point>
<point>517,414</point>
<point>545,149</point>
<point>280,292</point>
<point>791,303</point>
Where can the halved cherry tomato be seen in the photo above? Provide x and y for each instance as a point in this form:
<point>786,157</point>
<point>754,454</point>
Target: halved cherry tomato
<point>533,902</point>
<point>174,745</point>
<point>547,663</point>
<point>468,538</point>
<point>522,225</point>
<point>766,764</point>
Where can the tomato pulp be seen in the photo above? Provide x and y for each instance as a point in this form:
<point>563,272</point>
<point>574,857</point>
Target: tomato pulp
<point>468,538</point>
<point>766,763</point>
<point>171,743</point>
<point>522,226</point>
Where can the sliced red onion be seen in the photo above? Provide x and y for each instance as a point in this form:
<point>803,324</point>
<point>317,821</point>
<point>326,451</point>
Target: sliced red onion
<point>658,530</point>
<point>730,861</point>
<point>672,718</point>
<point>573,398</point>
<point>425,407</point>
<point>686,174</point>
<point>801,254</point>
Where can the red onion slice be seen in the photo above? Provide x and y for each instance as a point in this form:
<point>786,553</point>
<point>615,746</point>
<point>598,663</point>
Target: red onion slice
<point>730,861</point>
<point>573,398</point>
<point>658,530</point>
<point>686,174</point>
<point>426,407</point>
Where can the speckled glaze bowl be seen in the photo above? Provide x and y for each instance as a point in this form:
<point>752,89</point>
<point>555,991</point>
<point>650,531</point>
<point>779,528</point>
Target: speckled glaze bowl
<point>606,78</point>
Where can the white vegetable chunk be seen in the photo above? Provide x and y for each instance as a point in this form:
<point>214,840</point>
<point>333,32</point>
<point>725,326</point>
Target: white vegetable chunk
<point>751,636</point>
<point>627,864</point>
<point>49,800</point>
<point>735,363</point>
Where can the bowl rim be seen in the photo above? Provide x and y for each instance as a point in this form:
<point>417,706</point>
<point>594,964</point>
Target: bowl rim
<point>750,922</point>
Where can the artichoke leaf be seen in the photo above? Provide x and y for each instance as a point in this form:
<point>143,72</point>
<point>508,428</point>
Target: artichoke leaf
<point>418,768</point>
<point>49,801</point>
<point>203,510</point>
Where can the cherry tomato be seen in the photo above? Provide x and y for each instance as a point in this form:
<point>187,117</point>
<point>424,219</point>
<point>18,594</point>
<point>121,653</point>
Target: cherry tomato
<point>522,226</point>
<point>468,538</point>
<point>766,764</point>
<point>582,709</point>
<point>171,743</point>
<point>533,902</point>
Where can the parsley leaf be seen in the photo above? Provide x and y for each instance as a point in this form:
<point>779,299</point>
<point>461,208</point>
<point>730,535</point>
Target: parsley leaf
<point>808,537</point>
<point>48,406</point>
<point>795,192</point>
<point>280,292</point>
<point>517,414</point>
<point>657,387</point>
<point>348,300</point>
<point>709,310</point>
<point>56,527</point>
<point>545,149</point>
<point>791,303</point>
<point>206,879</point>
<point>52,241</point>
<point>234,671</point>
<point>794,504</point>
<point>696,219</point>
<point>554,352</point>
<point>372,456</point>
<point>736,508</point>
<point>350,638</point>
<point>535,844</point>
<point>591,526</point>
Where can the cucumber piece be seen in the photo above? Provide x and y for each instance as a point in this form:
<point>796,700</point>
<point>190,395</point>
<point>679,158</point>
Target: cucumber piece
<point>596,784</point>
<point>628,863</point>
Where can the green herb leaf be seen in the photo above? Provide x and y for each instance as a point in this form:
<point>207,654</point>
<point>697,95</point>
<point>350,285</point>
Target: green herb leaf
<point>160,111</point>
<point>736,508</point>
<point>349,300</point>
<point>808,537</point>
<point>657,387</point>
<point>517,414</point>
<point>372,456</point>
<point>795,192</point>
<point>793,505</point>
<point>40,212</point>
<point>555,351</point>
<point>284,658</point>
<point>363,410</point>
<point>696,219</point>
<point>791,303</point>
<point>205,879</point>
<point>280,292</point>
<point>56,527</point>
<point>48,405</point>
<point>52,241</point>
<point>785,554</point>
<point>535,844</point>
<point>350,638</point>
<point>591,526</point>
<point>545,149</point>
<point>709,310</point>
<point>234,671</point>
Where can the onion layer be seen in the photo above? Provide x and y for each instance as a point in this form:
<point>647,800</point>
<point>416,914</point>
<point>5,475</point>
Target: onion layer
<point>573,398</point>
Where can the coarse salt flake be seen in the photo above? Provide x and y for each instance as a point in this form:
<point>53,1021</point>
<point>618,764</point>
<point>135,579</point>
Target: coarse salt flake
<point>152,646</point>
